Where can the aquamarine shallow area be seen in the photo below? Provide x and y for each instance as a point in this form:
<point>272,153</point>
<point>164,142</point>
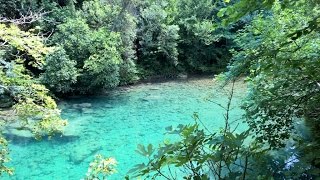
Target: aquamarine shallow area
<point>114,124</point>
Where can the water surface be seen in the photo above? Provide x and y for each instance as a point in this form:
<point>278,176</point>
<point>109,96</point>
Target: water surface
<point>115,123</point>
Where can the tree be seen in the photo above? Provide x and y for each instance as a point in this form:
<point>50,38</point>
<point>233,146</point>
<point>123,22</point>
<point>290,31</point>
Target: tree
<point>60,73</point>
<point>33,108</point>
<point>74,37</point>
<point>115,17</point>
<point>158,40</point>
<point>279,53</point>
<point>95,51</point>
<point>101,69</point>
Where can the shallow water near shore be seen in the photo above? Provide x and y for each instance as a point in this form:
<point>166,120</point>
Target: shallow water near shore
<point>114,124</point>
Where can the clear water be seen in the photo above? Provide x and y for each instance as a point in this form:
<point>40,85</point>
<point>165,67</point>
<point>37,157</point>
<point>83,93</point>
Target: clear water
<point>114,124</point>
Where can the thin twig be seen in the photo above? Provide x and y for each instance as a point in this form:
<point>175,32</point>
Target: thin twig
<point>245,168</point>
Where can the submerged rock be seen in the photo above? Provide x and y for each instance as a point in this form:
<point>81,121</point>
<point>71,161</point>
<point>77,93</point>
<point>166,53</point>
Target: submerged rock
<point>182,76</point>
<point>63,105</point>
<point>82,105</point>
<point>87,111</point>
<point>108,106</point>
<point>83,151</point>
<point>64,139</point>
<point>151,98</point>
<point>144,99</point>
<point>154,88</point>
<point>99,114</point>
<point>19,136</point>
<point>14,131</point>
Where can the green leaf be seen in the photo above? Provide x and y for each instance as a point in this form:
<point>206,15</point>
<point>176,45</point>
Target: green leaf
<point>221,12</point>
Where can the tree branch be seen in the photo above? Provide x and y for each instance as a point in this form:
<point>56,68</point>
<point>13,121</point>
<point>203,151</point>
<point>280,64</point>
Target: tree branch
<point>28,18</point>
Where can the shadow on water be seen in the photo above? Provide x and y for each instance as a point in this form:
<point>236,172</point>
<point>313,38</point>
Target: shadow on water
<point>23,140</point>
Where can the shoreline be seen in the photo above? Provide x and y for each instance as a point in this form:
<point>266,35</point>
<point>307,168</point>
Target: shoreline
<point>151,80</point>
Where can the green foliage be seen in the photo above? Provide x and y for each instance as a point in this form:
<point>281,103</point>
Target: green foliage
<point>31,98</point>
<point>4,158</point>
<point>280,55</point>
<point>128,72</point>
<point>99,14</point>
<point>101,168</point>
<point>60,72</point>
<point>58,14</point>
<point>126,25</point>
<point>101,41</point>
<point>158,40</point>
<point>95,51</point>
<point>242,8</point>
<point>178,35</point>
<point>8,8</point>
<point>204,44</point>
<point>26,42</point>
<point>182,36</point>
<point>102,67</point>
<point>282,68</point>
<point>34,109</point>
<point>199,153</point>
<point>203,156</point>
<point>116,18</point>
<point>74,36</point>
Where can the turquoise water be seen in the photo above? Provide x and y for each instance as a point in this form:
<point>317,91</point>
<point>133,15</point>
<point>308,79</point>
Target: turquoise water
<point>114,124</point>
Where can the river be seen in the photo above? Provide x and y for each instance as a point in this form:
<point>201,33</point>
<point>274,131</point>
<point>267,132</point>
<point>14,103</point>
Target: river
<point>115,123</point>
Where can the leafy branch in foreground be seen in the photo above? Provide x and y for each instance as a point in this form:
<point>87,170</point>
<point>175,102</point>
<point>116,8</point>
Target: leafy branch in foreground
<point>100,168</point>
<point>279,52</point>
<point>204,155</point>
<point>4,152</point>
<point>31,106</point>
<point>282,64</point>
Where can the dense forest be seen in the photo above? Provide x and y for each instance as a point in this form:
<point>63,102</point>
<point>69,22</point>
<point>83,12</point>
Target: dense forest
<point>53,49</point>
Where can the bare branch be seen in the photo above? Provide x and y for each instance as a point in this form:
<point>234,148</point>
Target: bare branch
<point>3,43</point>
<point>28,18</point>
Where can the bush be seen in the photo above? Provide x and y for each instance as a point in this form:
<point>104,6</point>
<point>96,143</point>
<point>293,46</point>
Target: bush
<point>60,72</point>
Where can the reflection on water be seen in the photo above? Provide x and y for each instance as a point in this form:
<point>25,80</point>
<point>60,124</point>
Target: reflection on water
<point>114,124</point>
